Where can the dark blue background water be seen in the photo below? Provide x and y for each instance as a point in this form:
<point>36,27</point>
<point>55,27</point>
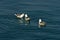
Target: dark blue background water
<point>48,10</point>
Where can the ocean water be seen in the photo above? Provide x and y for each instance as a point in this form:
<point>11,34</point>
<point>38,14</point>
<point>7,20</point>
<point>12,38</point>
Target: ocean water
<point>12,28</point>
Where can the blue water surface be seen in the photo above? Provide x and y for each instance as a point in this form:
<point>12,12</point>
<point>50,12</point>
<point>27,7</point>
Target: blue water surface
<point>47,10</point>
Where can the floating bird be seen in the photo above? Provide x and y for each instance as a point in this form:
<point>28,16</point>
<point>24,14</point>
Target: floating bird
<point>19,15</point>
<point>27,18</point>
<point>41,23</point>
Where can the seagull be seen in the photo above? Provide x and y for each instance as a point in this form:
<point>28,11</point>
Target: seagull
<point>19,15</point>
<point>41,23</point>
<point>27,18</point>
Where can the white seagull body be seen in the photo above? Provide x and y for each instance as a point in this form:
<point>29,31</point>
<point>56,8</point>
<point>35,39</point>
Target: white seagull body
<point>19,15</point>
<point>26,17</point>
<point>41,23</point>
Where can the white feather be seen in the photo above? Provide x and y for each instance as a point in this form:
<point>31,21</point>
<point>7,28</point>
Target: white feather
<point>26,15</point>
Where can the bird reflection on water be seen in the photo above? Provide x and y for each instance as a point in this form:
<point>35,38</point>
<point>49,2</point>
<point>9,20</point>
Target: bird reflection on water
<point>23,22</point>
